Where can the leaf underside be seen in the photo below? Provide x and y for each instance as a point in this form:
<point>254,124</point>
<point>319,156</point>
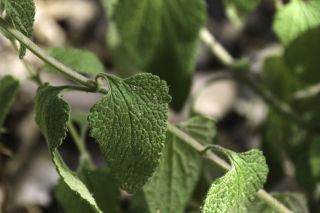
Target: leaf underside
<point>232,192</point>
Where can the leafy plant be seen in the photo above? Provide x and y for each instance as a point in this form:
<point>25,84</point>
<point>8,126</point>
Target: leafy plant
<point>158,162</point>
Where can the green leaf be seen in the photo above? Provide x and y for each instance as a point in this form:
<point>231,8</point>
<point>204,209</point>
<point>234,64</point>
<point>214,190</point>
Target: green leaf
<point>237,10</point>
<point>279,78</point>
<point>20,14</point>
<point>159,37</point>
<point>171,187</point>
<point>314,154</point>
<point>302,55</point>
<point>100,183</point>
<point>232,192</point>
<point>294,201</point>
<point>295,18</point>
<point>52,115</point>
<point>129,124</point>
<point>73,182</point>
<point>83,61</point>
<point>8,90</point>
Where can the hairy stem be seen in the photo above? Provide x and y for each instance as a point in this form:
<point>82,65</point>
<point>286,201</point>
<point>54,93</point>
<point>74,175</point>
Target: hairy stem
<point>68,72</point>
<point>224,56</point>
<point>84,155</point>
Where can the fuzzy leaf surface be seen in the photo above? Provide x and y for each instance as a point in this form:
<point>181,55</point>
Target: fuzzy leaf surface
<point>171,187</point>
<point>296,18</point>
<point>130,125</point>
<point>21,13</point>
<point>8,90</point>
<point>52,115</point>
<point>232,192</point>
<point>83,61</point>
<point>159,37</point>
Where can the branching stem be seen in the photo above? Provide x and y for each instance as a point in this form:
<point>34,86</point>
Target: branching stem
<point>216,48</point>
<point>228,61</point>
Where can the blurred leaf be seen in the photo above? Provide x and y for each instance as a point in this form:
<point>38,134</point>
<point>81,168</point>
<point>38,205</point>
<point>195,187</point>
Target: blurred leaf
<point>171,187</point>
<point>232,192</point>
<point>314,154</point>
<point>130,124</point>
<point>21,15</point>
<point>237,10</point>
<point>8,90</point>
<point>296,202</point>
<point>102,186</point>
<point>83,61</point>
<point>159,37</point>
<point>295,18</point>
<point>303,56</point>
<point>279,79</point>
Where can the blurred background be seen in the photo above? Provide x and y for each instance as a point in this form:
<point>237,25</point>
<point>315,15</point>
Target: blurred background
<point>27,175</point>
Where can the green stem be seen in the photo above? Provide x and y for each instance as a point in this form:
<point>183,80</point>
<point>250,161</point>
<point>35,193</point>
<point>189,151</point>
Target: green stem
<point>262,194</point>
<point>73,75</point>
<point>84,155</point>
<point>228,61</point>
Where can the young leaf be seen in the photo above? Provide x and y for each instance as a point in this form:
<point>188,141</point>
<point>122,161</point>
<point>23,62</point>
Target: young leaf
<point>294,201</point>
<point>129,124</point>
<point>21,15</point>
<point>73,182</point>
<point>159,37</point>
<point>171,187</point>
<point>8,90</point>
<point>52,115</point>
<point>232,192</point>
<point>100,183</point>
<point>302,55</point>
<point>296,18</point>
<point>83,61</point>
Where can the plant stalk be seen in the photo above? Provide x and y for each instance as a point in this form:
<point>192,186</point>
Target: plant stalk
<point>222,54</point>
<point>262,194</point>
<point>68,72</point>
<point>84,155</point>
<point>228,61</point>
